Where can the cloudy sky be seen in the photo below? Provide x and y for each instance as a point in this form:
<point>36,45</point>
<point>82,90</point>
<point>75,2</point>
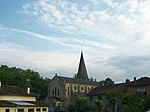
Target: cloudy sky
<point>47,36</point>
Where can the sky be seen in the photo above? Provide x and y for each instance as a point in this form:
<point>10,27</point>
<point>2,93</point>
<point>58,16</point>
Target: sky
<point>48,35</point>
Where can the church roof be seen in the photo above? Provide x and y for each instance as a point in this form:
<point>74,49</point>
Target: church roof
<point>82,72</point>
<point>78,81</point>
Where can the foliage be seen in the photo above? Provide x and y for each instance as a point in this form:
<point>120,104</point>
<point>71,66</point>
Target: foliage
<point>99,104</point>
<point>107,82</point>
<point>137,103</point>
<point>118,95</point>
<point>24,78</point>
<point>82,105</point>
<point>132,103</point>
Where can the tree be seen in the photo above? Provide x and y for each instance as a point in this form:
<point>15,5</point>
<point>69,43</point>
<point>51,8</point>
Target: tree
<point>107,82</point>
<point>99,104</point>
<point>18,77</point>
<point>115,100</point>
<point>82,105</point>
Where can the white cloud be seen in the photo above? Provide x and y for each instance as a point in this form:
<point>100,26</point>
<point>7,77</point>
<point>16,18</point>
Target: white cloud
<point>123,21</point>
<point>44,62</point>
<point>105,29</point>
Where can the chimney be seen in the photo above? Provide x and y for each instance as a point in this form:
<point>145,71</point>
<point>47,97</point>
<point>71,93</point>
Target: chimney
<point>134,78</point>
<point>28,90</point>
<point>0,85</point>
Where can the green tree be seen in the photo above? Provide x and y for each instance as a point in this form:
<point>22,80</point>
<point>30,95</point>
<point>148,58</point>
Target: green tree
<point>82,105</point>
<point>107,82</point>
<point>115,100</point>
<point>18,77</point>
<point>99,104</point>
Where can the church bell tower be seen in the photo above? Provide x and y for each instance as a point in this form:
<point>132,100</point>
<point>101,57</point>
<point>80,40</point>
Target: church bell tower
<point>82,72</point>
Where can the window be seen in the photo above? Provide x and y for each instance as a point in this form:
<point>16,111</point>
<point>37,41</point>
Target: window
<point>85,89</point>
<point>30,110</point>
<point>88,88</point>
<point>99,97</point>
<point>91,98</point>
<point>75,88</point>
<point>38,110</point>
<point>82,88</point>
<point>141,91</point>
<point>7,110</point>
<point>58,92</point>
<point>68,91</point>
<point>55,91</point>
<point>20,110</point>
<point>44,109</point>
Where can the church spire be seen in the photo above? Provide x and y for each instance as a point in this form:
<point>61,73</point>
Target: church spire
<point>82,72</point>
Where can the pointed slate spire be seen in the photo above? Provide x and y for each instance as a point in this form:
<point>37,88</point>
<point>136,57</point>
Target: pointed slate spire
<point>82,72</point>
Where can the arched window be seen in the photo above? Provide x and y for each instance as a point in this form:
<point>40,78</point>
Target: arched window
<point>75,87</point>
<point>82,88</point>
<point>58,92</point>
<point>68,91</point>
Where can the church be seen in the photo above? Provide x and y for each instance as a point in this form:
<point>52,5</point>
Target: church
<point>63,91</point>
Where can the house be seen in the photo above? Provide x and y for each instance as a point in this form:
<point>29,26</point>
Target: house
<point>16,99</point>
<point>63,91</point>
<point>140,86</point>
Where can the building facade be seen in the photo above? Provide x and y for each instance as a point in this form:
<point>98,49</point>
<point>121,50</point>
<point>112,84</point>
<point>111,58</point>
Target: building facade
<point>140,86</point>
<point>63,91</point>
<point>16,99</point>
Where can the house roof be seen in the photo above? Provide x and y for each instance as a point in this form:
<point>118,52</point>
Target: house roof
<point>121,87</point>
<point>108,89</point>
<point>78,81</point>
<point>14,91</point>
<point>82,72</point>
<point>22,104</point>
<point>141,82</point>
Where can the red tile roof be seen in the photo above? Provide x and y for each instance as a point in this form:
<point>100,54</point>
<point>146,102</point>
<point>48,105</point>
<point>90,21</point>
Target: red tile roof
<point>141,82</point>
<point>108,89</point>
<point>121,87</point>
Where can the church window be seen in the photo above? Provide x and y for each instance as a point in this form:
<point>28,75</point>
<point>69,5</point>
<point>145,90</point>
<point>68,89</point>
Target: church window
<point>85,89</point>
<point>55,91</point>
<point>82,88</point>
<point>75,88</point>
<point>68,90</point>
<point>88,88</point>
<point>58,92</point>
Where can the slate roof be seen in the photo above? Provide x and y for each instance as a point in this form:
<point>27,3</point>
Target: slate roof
<point>22,104</point>
<point>82,72</point>
<point>14,91</point>
<point>78,81</point>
